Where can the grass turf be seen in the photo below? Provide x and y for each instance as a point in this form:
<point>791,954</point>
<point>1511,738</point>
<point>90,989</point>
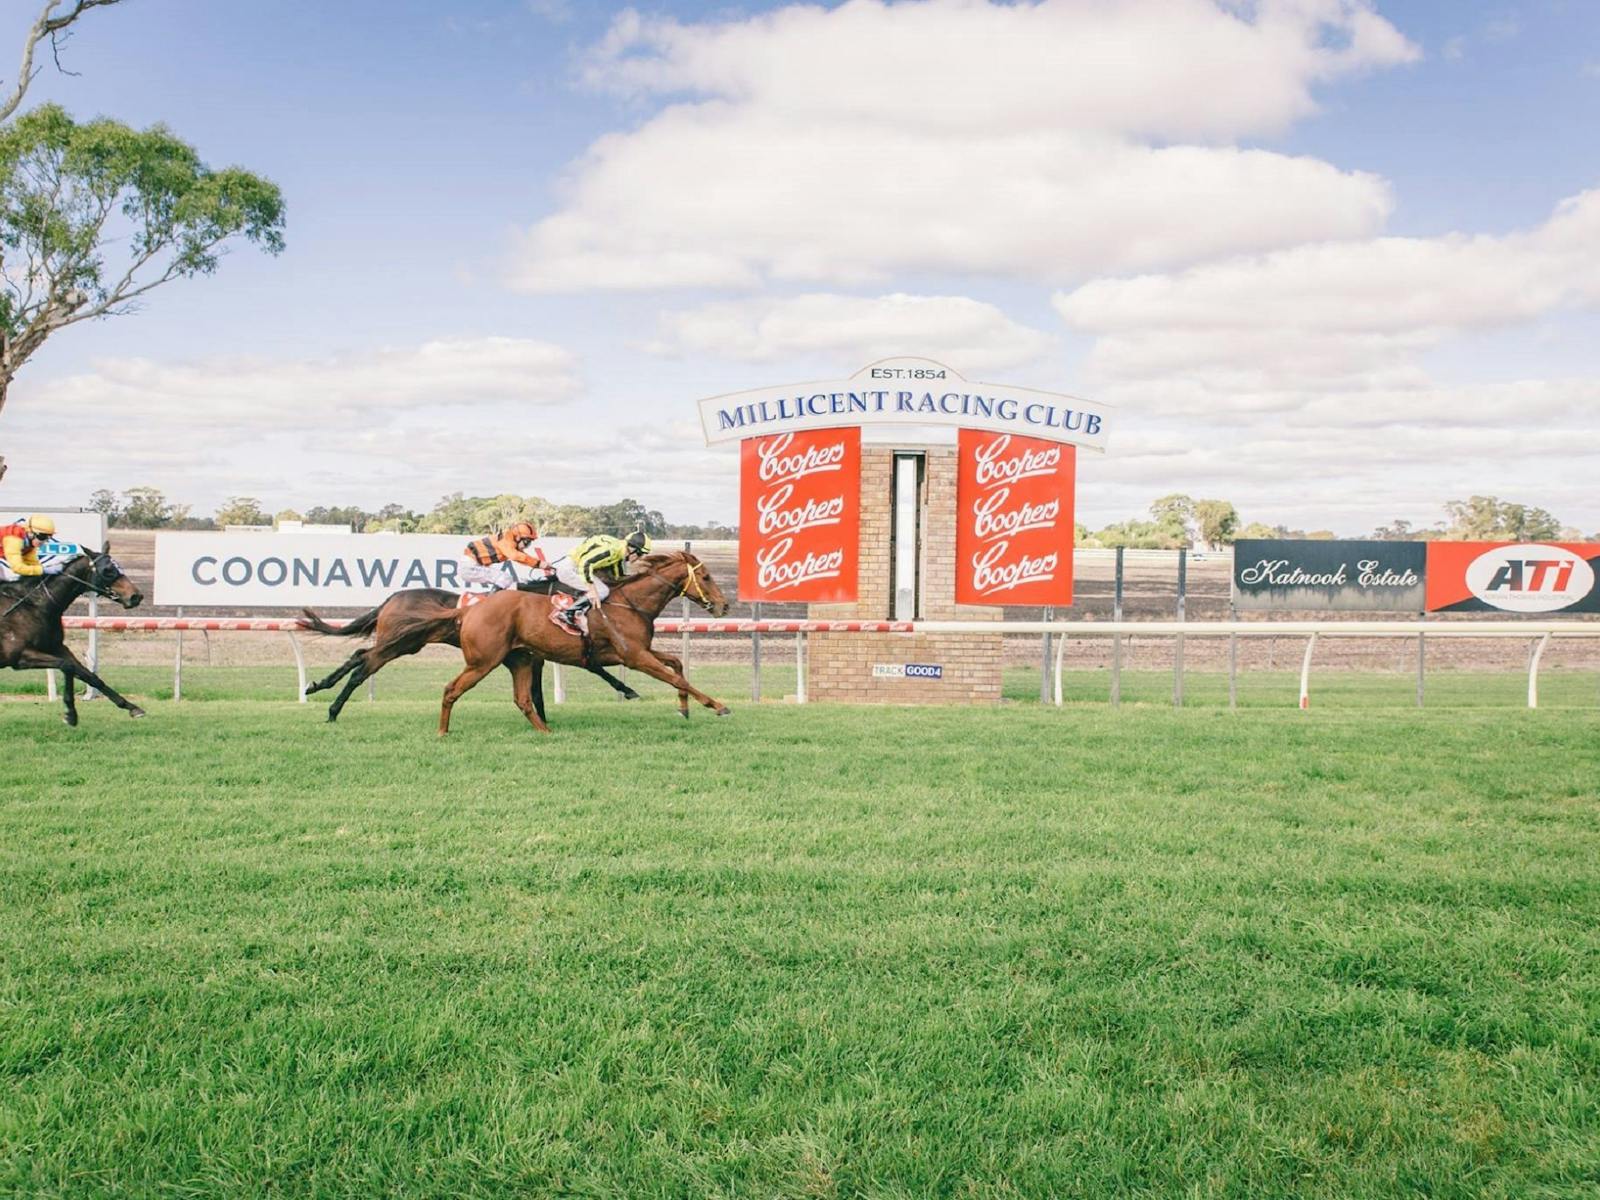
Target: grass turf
<point>803,952</point>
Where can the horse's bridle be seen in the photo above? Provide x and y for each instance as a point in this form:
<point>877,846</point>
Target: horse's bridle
<point>691,579</point>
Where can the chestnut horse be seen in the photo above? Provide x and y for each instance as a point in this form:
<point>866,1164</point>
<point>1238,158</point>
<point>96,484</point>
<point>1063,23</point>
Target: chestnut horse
<point>31,635</point>
<point>396,633</point>
<point>497,629</point>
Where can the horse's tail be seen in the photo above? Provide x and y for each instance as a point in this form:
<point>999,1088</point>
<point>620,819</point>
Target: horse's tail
<point>416,630</point>
<point>359,627</point>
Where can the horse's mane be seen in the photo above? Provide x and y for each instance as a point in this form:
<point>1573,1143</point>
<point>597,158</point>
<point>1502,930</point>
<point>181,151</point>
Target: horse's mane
<point>667,557</point>
<point>654,562</point>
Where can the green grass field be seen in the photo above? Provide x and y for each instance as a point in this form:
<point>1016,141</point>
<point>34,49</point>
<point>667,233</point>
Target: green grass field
<point>821,951</point>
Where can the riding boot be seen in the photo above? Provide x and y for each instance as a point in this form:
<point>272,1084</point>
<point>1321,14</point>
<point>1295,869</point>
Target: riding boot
<point>575,616</point>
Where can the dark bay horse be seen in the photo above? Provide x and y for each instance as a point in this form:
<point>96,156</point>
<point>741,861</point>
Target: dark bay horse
<point>396,632</point>
<point>497,629</point>
<point>31,636</point>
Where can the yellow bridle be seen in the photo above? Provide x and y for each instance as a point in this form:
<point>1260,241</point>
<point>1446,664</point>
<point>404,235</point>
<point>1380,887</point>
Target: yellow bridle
<point>692,579</point>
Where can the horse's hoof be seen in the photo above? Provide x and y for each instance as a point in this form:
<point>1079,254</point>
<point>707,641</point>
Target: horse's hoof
<point>332,717</point>
<point>684,713</point>
<point>136,712</point>
<point>724,711</point>
<point>70,718</point>
<point>630,695</point>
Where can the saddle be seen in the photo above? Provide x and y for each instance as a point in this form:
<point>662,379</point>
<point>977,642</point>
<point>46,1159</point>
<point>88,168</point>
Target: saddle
<point>561,616</point>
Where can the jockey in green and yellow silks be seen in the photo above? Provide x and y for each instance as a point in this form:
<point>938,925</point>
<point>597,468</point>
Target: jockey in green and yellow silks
<point>582,569</point>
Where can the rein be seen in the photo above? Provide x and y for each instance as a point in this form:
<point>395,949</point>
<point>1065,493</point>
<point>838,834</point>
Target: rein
<point>691,579</point>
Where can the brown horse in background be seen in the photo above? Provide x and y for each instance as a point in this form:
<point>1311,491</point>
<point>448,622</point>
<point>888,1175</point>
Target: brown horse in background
<point>515,628</point>
<point>396,632</point>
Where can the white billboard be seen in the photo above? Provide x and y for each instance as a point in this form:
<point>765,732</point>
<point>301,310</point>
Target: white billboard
<point>289,570</point>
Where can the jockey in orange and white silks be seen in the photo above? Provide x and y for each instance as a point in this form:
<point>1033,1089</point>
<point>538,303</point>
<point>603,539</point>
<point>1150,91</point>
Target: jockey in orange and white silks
<point>486,564</point>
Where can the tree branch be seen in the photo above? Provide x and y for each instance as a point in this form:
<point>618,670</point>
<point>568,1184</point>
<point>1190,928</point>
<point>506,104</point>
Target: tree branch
<point>44,26</point>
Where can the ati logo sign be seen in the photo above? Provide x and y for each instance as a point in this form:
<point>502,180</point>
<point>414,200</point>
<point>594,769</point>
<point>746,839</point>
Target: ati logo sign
<point>1530,579</point>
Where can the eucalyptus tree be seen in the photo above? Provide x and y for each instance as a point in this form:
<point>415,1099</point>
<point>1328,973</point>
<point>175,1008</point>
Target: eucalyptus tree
<point>95,215</point>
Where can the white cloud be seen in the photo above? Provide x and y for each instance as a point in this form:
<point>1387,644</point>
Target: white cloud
<point>1271,329</point>
<point>968,334</point>
<point>1041,141</point>
<point>339,392</point>
<point>260,424</point>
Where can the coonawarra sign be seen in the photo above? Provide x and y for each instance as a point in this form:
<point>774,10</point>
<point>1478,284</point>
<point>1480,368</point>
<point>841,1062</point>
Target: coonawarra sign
<point>1014,519</point>
<point>1271,574</point>
<point>279,570</point>
<point>800,516</point>
<point>1513,577</point>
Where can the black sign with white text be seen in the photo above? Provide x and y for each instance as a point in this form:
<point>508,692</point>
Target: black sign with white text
<point>1283,575</point>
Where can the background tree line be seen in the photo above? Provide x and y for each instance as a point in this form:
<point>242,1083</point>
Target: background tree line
<point>149,508</point>
<point>1175,521</point>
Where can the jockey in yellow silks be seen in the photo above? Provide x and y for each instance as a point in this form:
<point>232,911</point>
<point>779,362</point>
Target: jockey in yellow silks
<point>20,542</point>
<point>602,554</point>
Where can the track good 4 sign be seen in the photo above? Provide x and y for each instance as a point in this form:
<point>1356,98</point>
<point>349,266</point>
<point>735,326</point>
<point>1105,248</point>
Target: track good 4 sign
<point>1014,519</point>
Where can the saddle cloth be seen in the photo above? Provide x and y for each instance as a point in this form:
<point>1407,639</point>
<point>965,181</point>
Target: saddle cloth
<point>577,626</point>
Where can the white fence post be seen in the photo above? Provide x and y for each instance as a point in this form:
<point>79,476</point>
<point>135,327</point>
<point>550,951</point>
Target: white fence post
<point>755,654</point>
<point>800,668</point>
<point>1116,639</point>
<point>1233,661</point>
<point>1305,673</point>
<point>1061,647</point>
<point>1533,672</point>
<point>177,666</point>
<point>90,693</point>
<point>299,667</point>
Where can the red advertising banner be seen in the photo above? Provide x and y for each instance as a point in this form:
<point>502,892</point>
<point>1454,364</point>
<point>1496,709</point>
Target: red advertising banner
<point>800,516</point>
<point>1014,519</point>
<point>1516,577</point>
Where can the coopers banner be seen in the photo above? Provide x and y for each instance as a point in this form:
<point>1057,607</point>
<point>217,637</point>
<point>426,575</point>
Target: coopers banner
<point>1283,575</point>
<point>1515,577</point>
<point>800,516</point>
<point>1014,519</point>
<point>274,570</point>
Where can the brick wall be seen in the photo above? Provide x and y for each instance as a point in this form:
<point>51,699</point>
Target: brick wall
<point>839,666</point>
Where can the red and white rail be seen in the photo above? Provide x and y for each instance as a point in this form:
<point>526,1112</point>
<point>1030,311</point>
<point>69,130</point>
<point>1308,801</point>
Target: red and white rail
<point>1539,631</point>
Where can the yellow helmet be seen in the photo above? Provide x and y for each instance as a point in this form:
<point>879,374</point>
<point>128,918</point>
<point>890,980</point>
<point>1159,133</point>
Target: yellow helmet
<point>42,525</point>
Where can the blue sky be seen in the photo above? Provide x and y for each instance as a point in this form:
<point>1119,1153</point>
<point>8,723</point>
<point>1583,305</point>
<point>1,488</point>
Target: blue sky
<point>1310,248</point>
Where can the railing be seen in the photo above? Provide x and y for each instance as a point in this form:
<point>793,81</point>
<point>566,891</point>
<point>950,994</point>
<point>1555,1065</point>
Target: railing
<point>1543,631</point>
